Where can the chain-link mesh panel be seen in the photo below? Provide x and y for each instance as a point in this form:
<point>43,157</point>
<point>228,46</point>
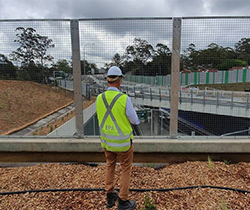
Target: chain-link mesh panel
<point>140,47</point>
<point>214,51</point>
<point>35,58</point>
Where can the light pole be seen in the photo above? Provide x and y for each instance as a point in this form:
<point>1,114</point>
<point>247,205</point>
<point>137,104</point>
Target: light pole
<point>84,68</point>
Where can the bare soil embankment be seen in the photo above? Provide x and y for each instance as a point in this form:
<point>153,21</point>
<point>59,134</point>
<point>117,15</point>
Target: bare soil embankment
<point>22,102</point>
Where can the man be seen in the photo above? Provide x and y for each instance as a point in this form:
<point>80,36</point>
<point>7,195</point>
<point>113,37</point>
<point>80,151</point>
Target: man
<point>115,112</point>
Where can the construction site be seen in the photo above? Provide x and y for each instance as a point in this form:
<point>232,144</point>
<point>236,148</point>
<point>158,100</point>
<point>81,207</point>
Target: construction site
<point>191,148</point>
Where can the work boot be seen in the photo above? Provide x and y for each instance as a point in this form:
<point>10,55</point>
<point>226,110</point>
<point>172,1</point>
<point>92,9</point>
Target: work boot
<point>126,205</point>
<point>111,199</point>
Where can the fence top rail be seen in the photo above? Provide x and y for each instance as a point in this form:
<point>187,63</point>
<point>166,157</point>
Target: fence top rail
<point>129,18</point>
<point>216,17</point>
<point>89,19</point>
<point>24,20</point>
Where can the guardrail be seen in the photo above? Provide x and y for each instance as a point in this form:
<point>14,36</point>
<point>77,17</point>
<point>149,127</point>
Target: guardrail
<point>230,99</point>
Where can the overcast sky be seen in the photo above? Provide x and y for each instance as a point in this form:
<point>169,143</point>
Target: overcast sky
<point>112,37</point>
<point>16,9</point>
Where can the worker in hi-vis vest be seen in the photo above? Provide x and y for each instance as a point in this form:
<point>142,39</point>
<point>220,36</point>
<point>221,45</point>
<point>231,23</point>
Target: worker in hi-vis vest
<point>115,112</point>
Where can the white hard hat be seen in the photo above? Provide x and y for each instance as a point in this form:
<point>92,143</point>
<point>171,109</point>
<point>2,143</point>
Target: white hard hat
<point>114,71</point>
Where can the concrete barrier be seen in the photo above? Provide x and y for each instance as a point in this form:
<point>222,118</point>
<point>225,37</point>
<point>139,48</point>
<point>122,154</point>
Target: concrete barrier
<point>145,150</point>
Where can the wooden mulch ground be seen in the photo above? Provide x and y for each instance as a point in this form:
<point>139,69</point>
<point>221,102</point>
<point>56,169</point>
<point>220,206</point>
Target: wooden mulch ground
<point>53,176</point>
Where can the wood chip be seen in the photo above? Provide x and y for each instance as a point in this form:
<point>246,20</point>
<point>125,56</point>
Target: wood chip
<point>51,176</point>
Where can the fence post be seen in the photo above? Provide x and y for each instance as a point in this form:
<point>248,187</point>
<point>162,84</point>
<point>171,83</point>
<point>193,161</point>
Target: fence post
<point>151,123</point>
<point>169,93</point>
<point>232,100</point>
<point>75,45</point>
<point>247,105</point>
<point>88,91</point>
<point>204,97</point>
<point>162,123</point>
<point>94,130</point>
<point>217,99</point>
<point>160,94</point>
<point>180,96</point>
<point>175,72</point>
<point>192,97</point>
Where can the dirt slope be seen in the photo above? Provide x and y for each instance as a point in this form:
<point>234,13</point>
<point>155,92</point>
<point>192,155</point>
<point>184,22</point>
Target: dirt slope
<point>22,102</point>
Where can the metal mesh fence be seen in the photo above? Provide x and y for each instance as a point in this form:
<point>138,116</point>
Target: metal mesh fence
<point>137,46</point>
<point>36,55</point>
<point>215,51</point>
<point>34,47</point>
<point>35,58</point>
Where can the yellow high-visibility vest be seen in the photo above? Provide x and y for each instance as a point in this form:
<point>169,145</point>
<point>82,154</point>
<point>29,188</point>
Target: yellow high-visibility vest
<point>115,128</point>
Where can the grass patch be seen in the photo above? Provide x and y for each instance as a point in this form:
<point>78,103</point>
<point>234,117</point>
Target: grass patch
<point>223,205</point>
<point>148,204</point>
<point>227,162</point>
<point>227,87</point>
<point>210,162</point>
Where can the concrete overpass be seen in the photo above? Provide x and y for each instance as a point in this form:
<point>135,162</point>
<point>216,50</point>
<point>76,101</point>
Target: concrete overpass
<point>219,102</point>
<point>212,102</point>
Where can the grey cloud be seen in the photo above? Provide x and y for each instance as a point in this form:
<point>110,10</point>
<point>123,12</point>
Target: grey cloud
<point>121,8</point>
<point>186,8</point>
<point>230,7</point>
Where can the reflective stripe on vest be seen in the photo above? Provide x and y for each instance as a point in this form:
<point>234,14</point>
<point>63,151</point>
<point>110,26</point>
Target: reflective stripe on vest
<point>115,144</point>
<point>116,137</point>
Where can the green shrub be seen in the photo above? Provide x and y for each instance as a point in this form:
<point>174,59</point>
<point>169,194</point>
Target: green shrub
<point>149,204</point>
<point>229,63</point>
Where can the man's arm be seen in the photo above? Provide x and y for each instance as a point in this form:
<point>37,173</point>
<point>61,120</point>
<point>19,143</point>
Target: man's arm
<point>131,114</point>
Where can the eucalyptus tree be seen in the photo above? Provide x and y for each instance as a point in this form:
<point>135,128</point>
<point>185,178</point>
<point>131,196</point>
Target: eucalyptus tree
<point>162,59</point>
<point>117,60</point>
<point>32,52</point>
<point>242,49</point>
<point>140,52</point>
